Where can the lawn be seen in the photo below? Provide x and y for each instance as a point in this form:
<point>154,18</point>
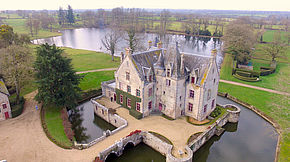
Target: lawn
<point>19,27</point>
<point>276,106</point>
<point>270,81</point>
<point>54,125</point>
<point>269,35</point>
<point>93,80</point>
<point>83,60</point>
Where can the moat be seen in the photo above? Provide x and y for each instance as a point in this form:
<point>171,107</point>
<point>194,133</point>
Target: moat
<point>251,139</point>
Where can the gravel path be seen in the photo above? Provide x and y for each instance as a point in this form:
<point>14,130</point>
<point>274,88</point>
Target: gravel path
<point>255,87</point>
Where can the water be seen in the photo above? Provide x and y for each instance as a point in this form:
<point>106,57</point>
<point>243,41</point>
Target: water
<point>252,139</point>
<point>91,39</point>
<point>91,126</point>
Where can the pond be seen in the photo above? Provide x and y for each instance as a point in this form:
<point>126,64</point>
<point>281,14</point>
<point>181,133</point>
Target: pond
<point>91,39</point>
<point>88,125</point>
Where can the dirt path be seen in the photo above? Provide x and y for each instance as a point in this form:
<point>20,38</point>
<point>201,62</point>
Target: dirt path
<point>89,71</point>
<point>255,87</point>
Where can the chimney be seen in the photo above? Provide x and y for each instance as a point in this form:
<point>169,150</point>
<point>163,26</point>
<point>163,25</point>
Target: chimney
<point>149,44</point>
<point>122,57</point>
<point>182,64</point>
<point>128,51</point>
<point>213,54</point>
<point>159,44</point>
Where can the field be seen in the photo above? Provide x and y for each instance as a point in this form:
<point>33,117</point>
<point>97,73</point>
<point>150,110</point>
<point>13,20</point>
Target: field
<point>271,81</point>
<point>269,35</point>
<point>93,80</point>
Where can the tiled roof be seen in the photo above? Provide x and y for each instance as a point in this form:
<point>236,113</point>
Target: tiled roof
<point>3,88</point>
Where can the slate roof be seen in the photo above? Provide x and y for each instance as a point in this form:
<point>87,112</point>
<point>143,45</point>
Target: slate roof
<point>3,88</point>
<point>159,58</point>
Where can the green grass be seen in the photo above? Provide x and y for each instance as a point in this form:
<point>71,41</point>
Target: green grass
<point>269,35</point>
<point>93,80</point>
<point>276,106</point>
<point>269,81</point>
<point>54,125</point>
<point>19,27</point>
<point>83,60</point>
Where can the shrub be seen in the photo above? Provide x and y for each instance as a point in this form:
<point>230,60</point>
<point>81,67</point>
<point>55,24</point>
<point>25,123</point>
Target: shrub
<point>254,73</point>
<point>217,111</point>
<point>17,110</point>
<point>247,79</point>
<point>242,73</point>
<point>135,114</point>
<point>167,117</point>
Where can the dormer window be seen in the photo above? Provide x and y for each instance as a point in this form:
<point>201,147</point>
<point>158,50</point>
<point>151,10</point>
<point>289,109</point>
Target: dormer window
<point>127,76</point>
<point>193,80</point>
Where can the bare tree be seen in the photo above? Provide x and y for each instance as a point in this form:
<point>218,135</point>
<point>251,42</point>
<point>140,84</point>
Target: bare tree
<point>134,40</point>
<point>17,68</point>
<point>164,22</point>
<point>111,40</point>
<point>239,39</point>
<point>276,48</point>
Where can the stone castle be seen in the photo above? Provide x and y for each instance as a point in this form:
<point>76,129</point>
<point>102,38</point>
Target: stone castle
<point>167,81</point>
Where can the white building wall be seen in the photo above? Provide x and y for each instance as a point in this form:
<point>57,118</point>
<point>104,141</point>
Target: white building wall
<point>4,100</point>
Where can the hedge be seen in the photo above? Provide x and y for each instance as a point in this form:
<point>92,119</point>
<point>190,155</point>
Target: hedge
<point>254,73</point>
<point>126,95</point>
<point>216,112</point>
<point>17,110</point>
<point>135,114</point>
<point>267,70</point>
<point>90,94</point>
<point>248,79</point>
<point>242,73</point>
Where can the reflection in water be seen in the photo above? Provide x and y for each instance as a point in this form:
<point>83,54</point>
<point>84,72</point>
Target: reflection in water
<point>77,120</point>
<point>139,153</point>
<point>89,126</point>
<point>90,39</point>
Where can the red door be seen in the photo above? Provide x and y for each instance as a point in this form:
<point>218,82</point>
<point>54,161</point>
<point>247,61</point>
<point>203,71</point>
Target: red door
<point>6,115</point>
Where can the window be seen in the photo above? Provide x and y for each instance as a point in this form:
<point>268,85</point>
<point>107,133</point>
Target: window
<point>138,106</point>
<point>193,80</point>
<point>163,92</point>
<point>129,102</point>
<point>213,80</point>
<point>191,93</point>
<point>150,92</point>
<point>179,98</point>
<point>204,108</point>
<point>96,107</point>
<point>190,105</point>
<point>212,104</point>
<point>168,72</point>
<point>121,98</point>
<point>4,106</point>
<point>138,92</point>
<point>120,85</point>
<point>168,82</point>
<point>127,76</point>
<point>208,94</point>
<point>150,78</point>
<point>149,105</point>
<point>160,106</point>
<point>102,111</point>
<point>129,89</point>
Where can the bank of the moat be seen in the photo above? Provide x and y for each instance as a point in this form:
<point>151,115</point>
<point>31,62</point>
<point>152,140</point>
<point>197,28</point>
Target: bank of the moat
<point>251,139</point>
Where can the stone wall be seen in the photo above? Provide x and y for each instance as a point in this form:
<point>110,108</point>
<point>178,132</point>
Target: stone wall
<point>229,116</point>
<point>113,119</point>
<point>156,143</point>
<point>4,100</point>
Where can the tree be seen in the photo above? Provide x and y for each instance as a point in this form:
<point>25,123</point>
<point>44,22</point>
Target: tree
<point>70,15</point>
<point>275,48</point>
<point>61,16</point>
<point>164,22</point>
<point>110,41</point>
<point>6,35</point>
<point>133,40</point>
<point>56,80</point>
<point>17,69</point>
<point>239,39</point>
